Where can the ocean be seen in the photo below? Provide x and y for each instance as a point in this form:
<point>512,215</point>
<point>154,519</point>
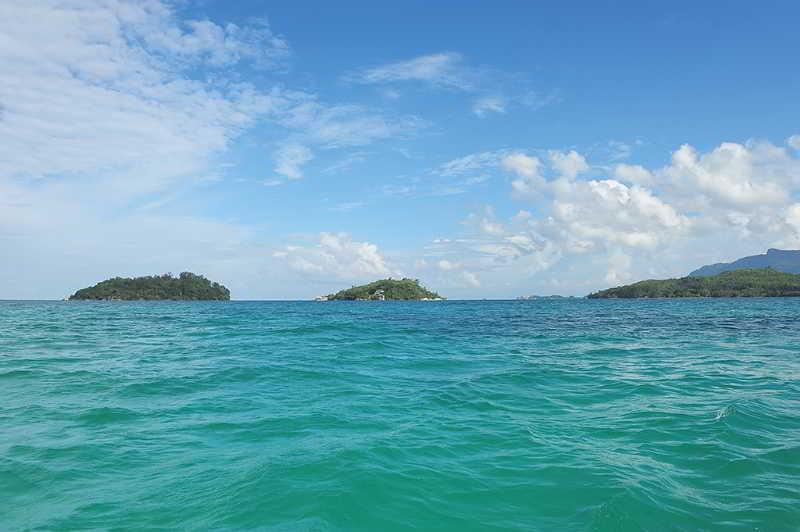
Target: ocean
<point>477,415</point>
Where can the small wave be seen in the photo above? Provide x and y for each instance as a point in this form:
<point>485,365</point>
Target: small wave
<point>725,412</point>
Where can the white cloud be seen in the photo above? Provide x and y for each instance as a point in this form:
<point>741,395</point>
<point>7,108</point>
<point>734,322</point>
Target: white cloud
<point>336,255</point>
<point>496,91</point>
<point>530,181</point>
<point>523,165</point>
<point>290,158</point>
<point>596,214</point>
<point>446,265</point>
<point>440,69</point>
<point>470,279</point>
<point>214,44</point>
<point>470,164</point>
<point>485,223</point>
<point>92,89</point>
<point>489,104</point>
<point>633,174</point>
<point>568,165</point>
<point>734,200</point>
<point>733,174</point>
<point>618,269</point>
<point>794,142</point>
<point>793,220</point>
<point>337,126</point>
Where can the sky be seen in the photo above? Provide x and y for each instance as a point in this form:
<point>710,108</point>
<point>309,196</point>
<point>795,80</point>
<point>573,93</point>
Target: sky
<point>489,149</point>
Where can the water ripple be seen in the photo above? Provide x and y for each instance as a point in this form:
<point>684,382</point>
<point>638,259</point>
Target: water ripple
<point>528,415</point>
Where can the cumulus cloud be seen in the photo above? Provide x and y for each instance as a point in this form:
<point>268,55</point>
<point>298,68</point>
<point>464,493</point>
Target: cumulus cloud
<point>633,174</point>
<point>734,174</point>
<point>569,164</point>
<point>794,142</point>
<point>733,200</point>
<point>588,215</point>
<point>336,255</point>
<point>527,168</point>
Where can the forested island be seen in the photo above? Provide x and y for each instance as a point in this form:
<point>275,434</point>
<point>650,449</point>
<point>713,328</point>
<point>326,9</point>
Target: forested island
<point>764,282</point>
<point>385,290</point>
<point>185,287</point>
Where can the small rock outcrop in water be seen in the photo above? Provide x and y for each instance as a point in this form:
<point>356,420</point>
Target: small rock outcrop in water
<point>185,287</point>
<point>782,260</point>
<point>764,282</point>
<point>386,290</point>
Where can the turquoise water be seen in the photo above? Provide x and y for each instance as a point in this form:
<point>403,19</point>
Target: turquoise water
<point>526,415</point>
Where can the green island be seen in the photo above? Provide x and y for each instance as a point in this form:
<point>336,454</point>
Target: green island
<point>385,290</point>
<point>763,282</point>
<point>185,287</point>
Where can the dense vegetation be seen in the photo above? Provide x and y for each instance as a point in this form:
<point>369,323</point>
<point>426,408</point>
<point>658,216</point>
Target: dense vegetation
<point>782,260</point>
<point>389,289</point>
<point>187,286</point>
<point>739,283</point>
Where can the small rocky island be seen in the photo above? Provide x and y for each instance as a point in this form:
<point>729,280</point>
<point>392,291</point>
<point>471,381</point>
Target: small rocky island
<point>185,287</point>
<point>385,290</point>
<point>764,282</point>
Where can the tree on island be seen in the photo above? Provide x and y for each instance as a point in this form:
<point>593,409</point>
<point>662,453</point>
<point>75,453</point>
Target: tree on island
<point>386,289</point>
<point>186,287</point>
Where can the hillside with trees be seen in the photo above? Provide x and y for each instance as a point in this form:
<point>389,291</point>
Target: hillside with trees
<point>185,287</point>
<point>764,282</point>
<point>386,290</point>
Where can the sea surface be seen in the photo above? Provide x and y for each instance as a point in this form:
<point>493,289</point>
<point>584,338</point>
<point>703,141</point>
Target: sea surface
<point>485,415</point>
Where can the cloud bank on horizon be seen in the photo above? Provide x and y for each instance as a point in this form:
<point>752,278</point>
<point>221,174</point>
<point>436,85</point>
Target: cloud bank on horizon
<point>145,137</point>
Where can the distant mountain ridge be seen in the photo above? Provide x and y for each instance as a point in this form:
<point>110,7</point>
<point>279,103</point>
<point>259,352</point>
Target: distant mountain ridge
<point>782,260</point>
<point>764,282</point>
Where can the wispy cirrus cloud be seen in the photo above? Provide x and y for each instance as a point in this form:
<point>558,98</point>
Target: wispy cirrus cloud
<point>492,91</point>
<point>105,120</point>
<point>443,69</point>
<point>343,125</point>
<point>489,104</point>
<point>100,89</point>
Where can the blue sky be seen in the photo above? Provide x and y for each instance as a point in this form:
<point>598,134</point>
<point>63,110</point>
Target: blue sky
<point>491,150</point>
